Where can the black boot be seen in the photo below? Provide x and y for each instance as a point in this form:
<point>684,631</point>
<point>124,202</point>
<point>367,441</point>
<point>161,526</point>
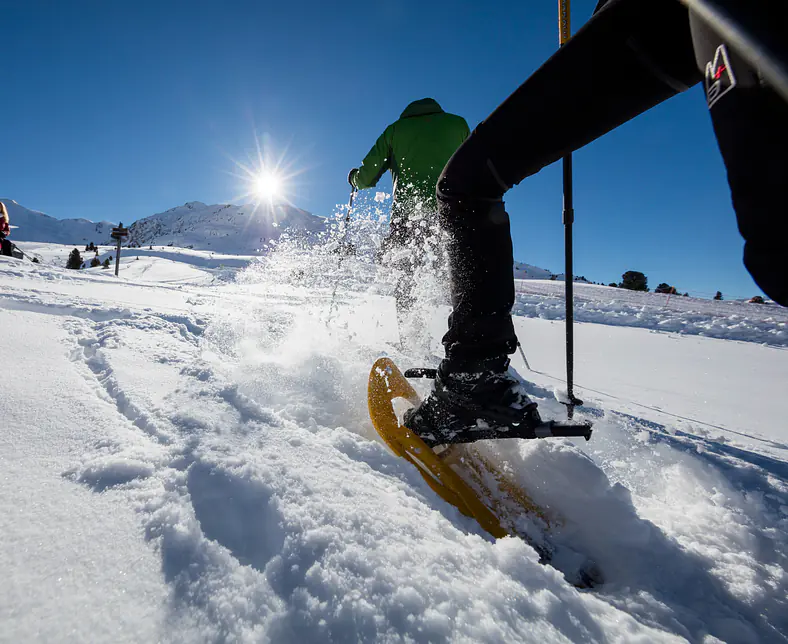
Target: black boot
<point>474,401</point>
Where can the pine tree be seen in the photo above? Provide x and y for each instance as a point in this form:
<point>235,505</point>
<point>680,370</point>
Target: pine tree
<point>634,281</point>
<point>718,296</point>
<point>95,262</point>
<point>665,288</point>
<point>74,260</point>
<point>105,265</point>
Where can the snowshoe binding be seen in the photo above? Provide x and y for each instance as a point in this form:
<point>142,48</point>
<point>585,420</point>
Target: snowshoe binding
<point>485,400</point>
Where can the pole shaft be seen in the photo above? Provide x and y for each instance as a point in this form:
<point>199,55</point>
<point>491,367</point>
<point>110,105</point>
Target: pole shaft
<point>564,33</point>
<point>117,258</point>
<point>569,281</point>
<point>564,22</point>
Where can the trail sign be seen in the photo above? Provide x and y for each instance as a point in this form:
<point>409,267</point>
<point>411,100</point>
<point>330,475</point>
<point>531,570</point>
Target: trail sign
<point>118,233</point>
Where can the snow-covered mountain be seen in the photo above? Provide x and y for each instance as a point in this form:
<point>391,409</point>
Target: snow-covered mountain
<point>32,225</point>
<point>223,227</point>
<point>220,227</point>
<point>527,272</point>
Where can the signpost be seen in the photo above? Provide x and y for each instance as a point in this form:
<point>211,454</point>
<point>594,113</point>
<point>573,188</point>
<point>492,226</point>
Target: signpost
<point>119,233</point>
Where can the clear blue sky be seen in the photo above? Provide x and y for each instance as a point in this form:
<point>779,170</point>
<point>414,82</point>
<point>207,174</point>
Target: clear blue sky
<point>118,110</point>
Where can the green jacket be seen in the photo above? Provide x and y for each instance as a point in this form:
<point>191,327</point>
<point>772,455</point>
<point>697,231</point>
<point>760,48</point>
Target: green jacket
<point>415,148</point>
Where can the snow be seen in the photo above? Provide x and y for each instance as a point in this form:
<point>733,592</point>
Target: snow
<point>731,320</point>
<point>75,566</point>
<point>187,457</point>
<point>224,227</point>
<point>227,228</point>
<point>32,225</point>
<point>526,271</point>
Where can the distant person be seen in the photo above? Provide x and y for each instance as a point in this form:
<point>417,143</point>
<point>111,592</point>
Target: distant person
<point>414,149</point>
<point>631,56</point>
<point>5,231</point>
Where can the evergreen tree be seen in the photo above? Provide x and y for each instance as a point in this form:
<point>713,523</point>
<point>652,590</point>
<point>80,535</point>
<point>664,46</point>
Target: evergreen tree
<point>718,296</point>
<point>35,260</point>
<point>95,261</point>
<point>74,260</point>
<point>665,288</point>
<point>105,265</point>
<point>634,281</point>
<point>613,284</point>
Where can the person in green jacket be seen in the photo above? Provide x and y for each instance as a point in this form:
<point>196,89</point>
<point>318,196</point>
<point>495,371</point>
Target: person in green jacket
<point>415,150</point>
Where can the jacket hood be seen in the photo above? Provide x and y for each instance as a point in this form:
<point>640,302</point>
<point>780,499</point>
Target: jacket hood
<point>421,107</point>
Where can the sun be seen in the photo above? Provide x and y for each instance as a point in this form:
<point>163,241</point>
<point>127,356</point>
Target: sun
<point>266,179</point>
<point>268,185</point>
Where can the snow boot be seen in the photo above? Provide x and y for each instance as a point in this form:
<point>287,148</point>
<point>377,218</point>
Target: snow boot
<point>474,401</point>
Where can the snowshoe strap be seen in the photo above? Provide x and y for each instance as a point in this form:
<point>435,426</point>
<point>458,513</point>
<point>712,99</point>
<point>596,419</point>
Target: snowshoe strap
<point>494,414</point>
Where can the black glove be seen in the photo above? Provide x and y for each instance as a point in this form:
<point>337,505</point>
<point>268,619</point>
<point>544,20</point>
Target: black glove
<point>351,177</point>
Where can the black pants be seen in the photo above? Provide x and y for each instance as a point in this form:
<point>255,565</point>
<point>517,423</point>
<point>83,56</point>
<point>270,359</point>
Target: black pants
<point>5,246</point>
<point>631,56</point>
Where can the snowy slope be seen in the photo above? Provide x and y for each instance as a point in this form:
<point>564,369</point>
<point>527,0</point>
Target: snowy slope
<point>36,226</point>
<point>732,320</point>
<point>526,271</point>
<point>224,227</point>
<point>202,450</point>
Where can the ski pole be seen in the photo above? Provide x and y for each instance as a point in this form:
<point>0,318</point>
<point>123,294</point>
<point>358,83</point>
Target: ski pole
<point>564,33</point>
<point>23,252</point>
<point>342,248</point>
<point>522,353</point>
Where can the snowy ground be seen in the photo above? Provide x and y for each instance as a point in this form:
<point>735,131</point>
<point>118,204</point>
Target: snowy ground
<point>186,456</point>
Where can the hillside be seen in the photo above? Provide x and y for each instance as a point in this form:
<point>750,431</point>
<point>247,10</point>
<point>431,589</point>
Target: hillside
<point>32,225</point>
<point>244,229</point>
<point>224,227</point>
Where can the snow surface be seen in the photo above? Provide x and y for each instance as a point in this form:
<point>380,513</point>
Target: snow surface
<point>731,320</point>
<point>187,457</point>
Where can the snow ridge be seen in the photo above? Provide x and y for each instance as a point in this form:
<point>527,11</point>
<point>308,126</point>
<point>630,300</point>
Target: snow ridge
<point>37,226</point>
<point>224,227</point>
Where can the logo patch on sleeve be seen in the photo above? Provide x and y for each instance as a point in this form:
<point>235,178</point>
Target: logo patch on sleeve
<point>720,78</point>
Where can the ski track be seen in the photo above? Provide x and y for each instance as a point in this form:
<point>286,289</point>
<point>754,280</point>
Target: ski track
<point>246,450</point>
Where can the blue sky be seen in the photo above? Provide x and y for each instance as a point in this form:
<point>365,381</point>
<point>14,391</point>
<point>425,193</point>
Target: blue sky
<point>118,110</point>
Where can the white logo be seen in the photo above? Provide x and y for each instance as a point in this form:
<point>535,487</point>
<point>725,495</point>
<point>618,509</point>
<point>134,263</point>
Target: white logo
<point>719,76</point>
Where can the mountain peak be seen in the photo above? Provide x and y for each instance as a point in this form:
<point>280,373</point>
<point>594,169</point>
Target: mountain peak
<point>223,228</point>
<point>219,227</point>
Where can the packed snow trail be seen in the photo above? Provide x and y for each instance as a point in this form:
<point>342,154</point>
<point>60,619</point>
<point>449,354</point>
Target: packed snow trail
<point>233,420</point>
